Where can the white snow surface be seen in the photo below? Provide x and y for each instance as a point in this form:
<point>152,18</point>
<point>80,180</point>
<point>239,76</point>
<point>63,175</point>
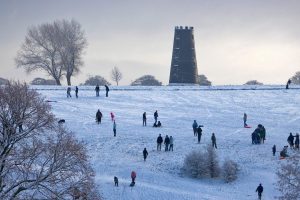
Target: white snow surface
<point>220,111</point>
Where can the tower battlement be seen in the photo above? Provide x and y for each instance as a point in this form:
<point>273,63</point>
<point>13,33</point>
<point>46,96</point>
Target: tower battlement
<point>184,62</point>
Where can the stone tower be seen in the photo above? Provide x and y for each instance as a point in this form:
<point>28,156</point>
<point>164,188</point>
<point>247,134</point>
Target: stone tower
<point>184,64</point>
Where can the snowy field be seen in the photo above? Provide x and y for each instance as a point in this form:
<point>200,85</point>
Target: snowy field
<point>220,111</point>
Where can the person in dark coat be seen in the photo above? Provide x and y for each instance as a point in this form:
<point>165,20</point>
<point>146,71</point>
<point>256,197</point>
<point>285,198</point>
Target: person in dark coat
<point>291,140</point>
<point>116,181</point>
<point>115,128</point>
<point>144,119</point>
<point>145,154</point>
<point>98,117</point>
<point>159,141</point>
<point>283,152</point>
<point>297,141</point>
<point>214,140</point>
<point>245,120</point>
<point>171,143</point>
<point>259,190</point>
<point>97,89</point>
<point>199,133</point>
<point>288,84</point>
<point>155,116</point>
<point>195,126</point>
<point>69,92</point>
<point>274,149</point>
<point>76,92</point>
<point>167,142</point>
<point>107,90</point>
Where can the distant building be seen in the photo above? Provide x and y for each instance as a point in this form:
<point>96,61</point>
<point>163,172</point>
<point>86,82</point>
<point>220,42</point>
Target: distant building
<point>184,63</point>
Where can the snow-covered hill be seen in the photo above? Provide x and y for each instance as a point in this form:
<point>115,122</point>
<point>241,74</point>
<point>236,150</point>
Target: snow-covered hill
<point>220,111</point>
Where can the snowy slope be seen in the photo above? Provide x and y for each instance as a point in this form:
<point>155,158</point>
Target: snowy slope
<point>220,111</point>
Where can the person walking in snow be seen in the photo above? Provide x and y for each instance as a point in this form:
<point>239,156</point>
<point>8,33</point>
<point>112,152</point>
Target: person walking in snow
<point>297,141</point>
<point>115,128</point>
<point>116,181</point>
<point>107,90</point>
<point>155,116</point>
<point>159,141</point>
<point>133,176</point>
<point>288,84</point>
<point>145,154</point>
<point>97,89</point>
<point>76,92</point>
<point>291,140</point>
<point>213,140</point>
<point>259,191</point>
<point>199,133</point>
<point>171,143</point>
<point>245,120</point>
<point>167,142</point>
<point>112,116</point>
<point>69,92</point>
<point>144,119</point>
<point>274,149</point>
<point>195,126</point>
<point>98,117</point>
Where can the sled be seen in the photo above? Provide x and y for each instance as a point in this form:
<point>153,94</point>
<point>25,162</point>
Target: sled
<point>247,126</point>
<point>281,158</point>
<point>132,184</point>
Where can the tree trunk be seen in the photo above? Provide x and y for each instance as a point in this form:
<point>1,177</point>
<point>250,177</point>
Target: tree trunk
<point>57,81</point>
<point>117,83</point>
<point>68,80</point>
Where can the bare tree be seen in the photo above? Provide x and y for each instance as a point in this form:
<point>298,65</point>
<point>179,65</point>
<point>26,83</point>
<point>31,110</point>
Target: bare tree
<point>296,78</point>
<point>55,48</point>
<point>289,178</point>
<point>38,159</point>
<point>116,75</point>
<point>72,42</point>
<point>40,52</point>
<point>230,170</point>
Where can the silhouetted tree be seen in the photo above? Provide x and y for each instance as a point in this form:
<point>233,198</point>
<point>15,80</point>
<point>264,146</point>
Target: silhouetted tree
<point>116,75</point>
<point>3,81</point>
<point>55,48</point>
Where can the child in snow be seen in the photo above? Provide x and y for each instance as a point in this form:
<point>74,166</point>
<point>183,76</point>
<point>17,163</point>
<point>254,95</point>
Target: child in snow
<point>133,176</point>
<point>195,126</point>
<point>69,92</point>
<point>116,181</point>
<point>145,154</point>
<point>245,120</point>
<point>171,143</point>
<point>112,116</point>
<point>259,190</point>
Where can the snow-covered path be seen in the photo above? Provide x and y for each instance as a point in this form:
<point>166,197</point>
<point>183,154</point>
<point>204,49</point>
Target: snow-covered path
<point>159,177</point>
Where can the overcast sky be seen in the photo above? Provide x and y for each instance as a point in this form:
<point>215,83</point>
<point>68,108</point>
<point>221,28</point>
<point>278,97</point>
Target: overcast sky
<point>236,40</point>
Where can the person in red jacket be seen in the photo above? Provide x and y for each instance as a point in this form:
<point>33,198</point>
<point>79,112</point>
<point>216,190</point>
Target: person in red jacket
<point>112,116</point>
<point>133,176</point>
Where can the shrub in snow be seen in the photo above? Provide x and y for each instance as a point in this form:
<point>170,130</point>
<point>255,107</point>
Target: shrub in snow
<point>230,169</point>
<point>289,178</point>
<point>200,164</point>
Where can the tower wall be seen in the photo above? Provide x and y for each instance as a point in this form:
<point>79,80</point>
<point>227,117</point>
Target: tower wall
<point>184,63</point>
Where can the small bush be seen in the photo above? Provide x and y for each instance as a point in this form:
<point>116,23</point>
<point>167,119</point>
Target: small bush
<point>230,170</point>
<point>200,164</point>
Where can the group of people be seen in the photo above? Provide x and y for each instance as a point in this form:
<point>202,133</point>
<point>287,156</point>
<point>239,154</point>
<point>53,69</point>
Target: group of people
<point>69,92</point>
<point>292,143</point>
<point>168,141</point>
<point>97,89</point>
<point>197,130</point>
<point>112,116</point>
<point>259,135</point>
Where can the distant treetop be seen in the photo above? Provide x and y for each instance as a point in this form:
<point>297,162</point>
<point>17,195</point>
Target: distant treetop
<point>146,80</point>
<point>41,81</point>
<point>253,82</point>
<point>202,80</point>
<point>94,80</point>
<point>296,78</point>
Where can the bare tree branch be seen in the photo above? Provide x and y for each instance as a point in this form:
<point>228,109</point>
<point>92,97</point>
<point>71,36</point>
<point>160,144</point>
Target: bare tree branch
<point>116,75</point>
